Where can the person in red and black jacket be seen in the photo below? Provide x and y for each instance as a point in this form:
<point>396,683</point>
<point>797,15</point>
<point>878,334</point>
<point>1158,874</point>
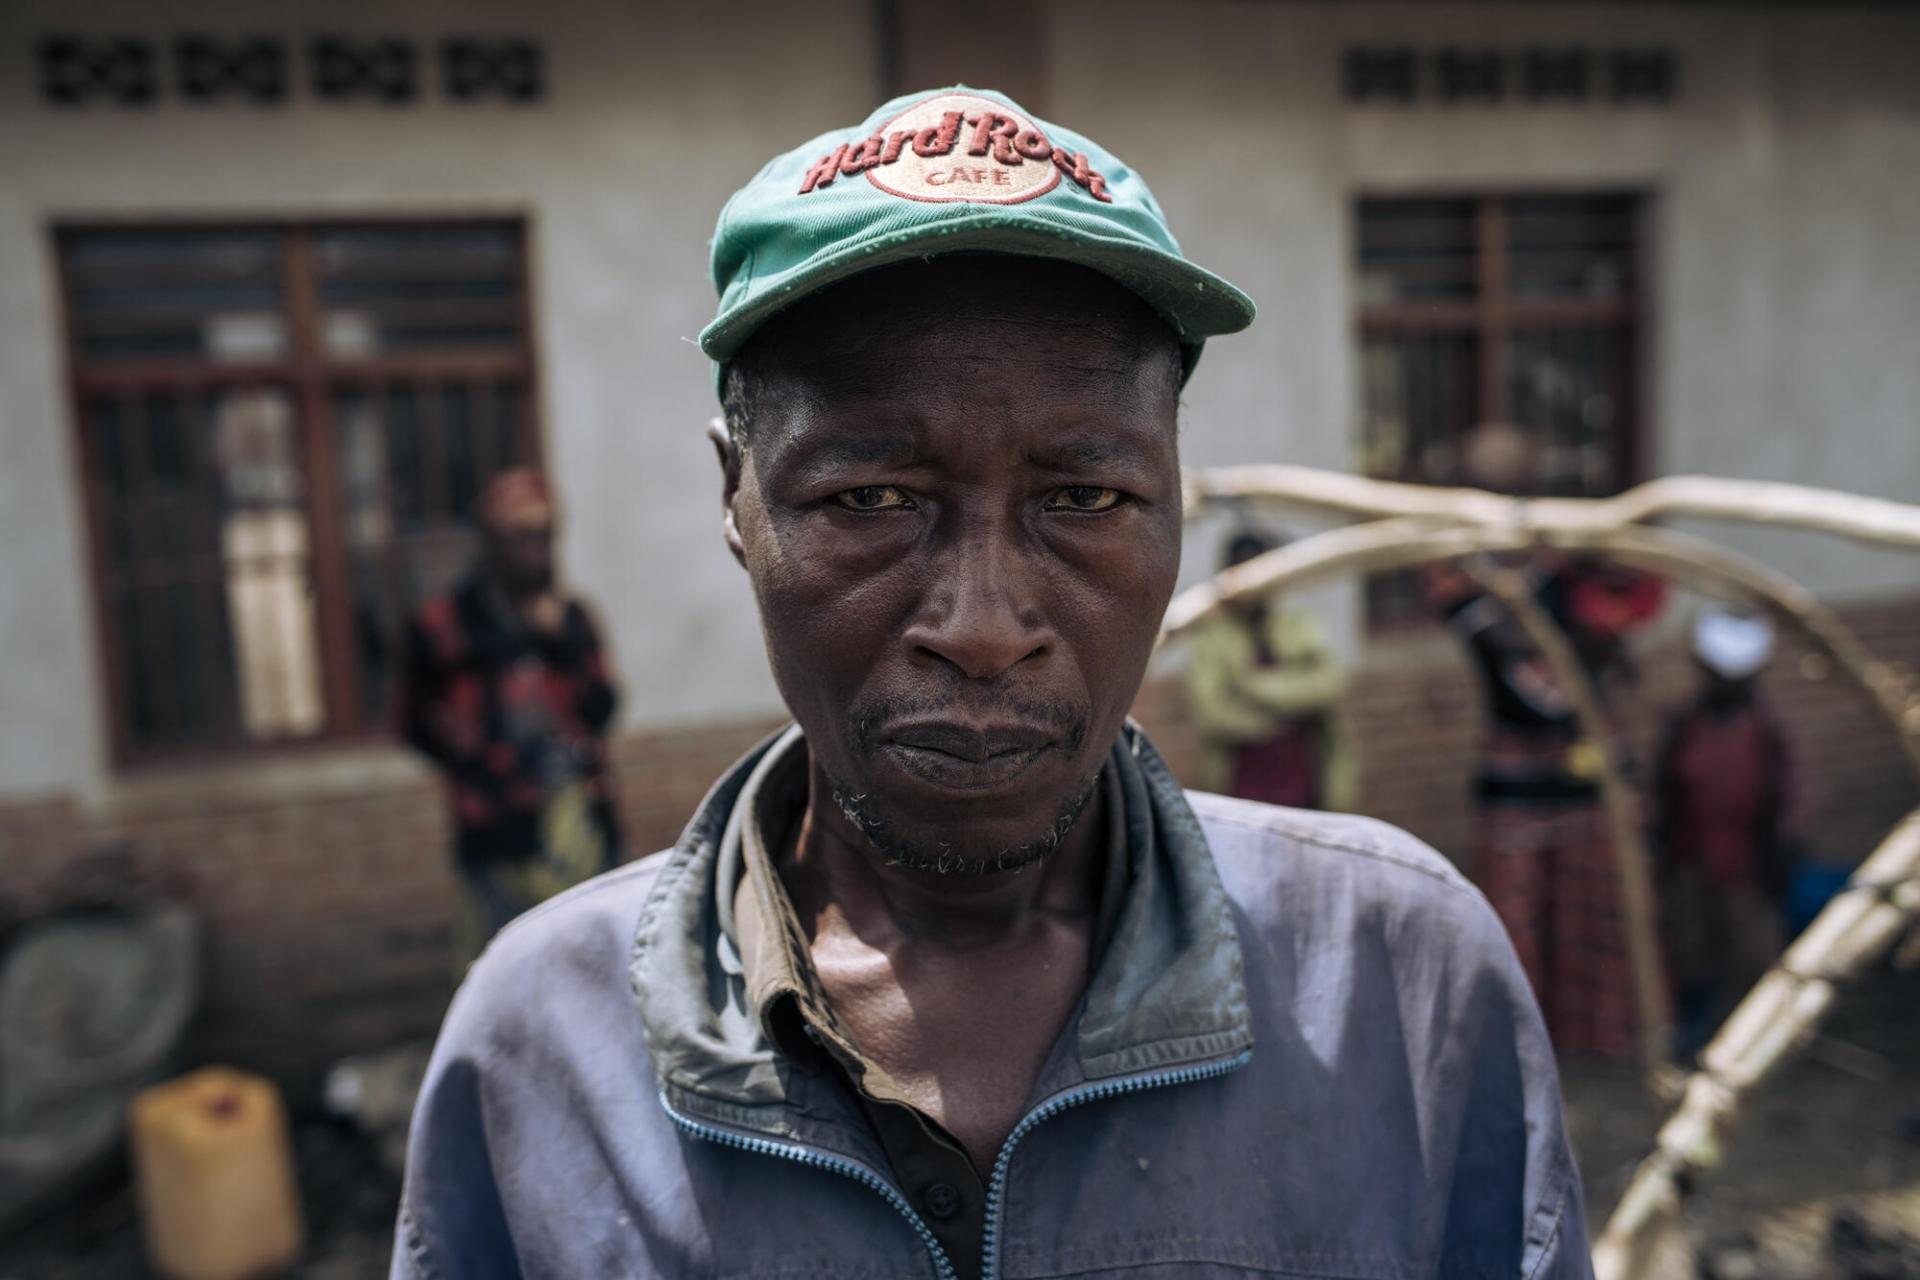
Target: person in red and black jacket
<point>506,689</point>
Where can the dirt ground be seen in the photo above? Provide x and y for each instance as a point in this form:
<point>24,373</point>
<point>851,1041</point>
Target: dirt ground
<point>347,1196</point>
<point>1821,1180</point>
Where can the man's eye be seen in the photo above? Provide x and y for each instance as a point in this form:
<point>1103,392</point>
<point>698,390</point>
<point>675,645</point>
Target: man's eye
<point>872,497</point>
<point>1084,497</point>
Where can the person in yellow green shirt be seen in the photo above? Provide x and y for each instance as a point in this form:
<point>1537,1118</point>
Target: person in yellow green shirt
<point>1265,689</point>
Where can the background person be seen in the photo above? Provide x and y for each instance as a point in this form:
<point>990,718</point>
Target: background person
<point>1726,826</point>
<point>505,688</point>
<point>1265,688</point>
<point>1542,849</point>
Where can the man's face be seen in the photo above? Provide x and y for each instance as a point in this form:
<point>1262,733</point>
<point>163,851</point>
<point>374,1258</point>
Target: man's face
<point>519,545</point>
<point>960,508</point>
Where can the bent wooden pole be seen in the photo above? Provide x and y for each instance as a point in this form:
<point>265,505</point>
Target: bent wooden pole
<point>1875,521</point>
<point>1860,925</point>
<point>1407,541</point>
<point>1362,548</point>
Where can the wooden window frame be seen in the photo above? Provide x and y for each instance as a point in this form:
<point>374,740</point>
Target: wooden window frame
<point>1493,316</point>
<point>309,375</point>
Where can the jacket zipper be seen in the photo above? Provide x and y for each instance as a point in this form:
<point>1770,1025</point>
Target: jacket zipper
<point>819,1160</point>
<point>990,1253</point>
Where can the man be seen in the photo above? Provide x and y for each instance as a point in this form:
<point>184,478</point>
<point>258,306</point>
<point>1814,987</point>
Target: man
<point>951,979</point>
<point>1542,848</point>
<point>1265,693</point>
<point>1726,824</point>
<point>505,689</point>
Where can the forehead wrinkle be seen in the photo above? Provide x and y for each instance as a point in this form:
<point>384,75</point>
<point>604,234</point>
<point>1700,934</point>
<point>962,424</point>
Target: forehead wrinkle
<point>910,440</point>
<point>1090,452</point>
<point>914,452</point>
<point>901,448</point>
<point>845,418</point>
<point>894,424</point>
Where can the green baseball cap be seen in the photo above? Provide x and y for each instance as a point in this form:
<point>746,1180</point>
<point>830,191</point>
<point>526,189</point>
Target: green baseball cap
<point>953,170</point>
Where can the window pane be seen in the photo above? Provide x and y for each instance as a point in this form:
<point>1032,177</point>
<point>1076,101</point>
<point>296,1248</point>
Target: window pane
<point>110,477</point>
<point>174,294</point>
<point>1570,388</point>
<point>1419,395</point>
<point>460,443</point>
<point>265,551</point>
<point>207,587</point>
<point>411,288</point>
<point>508,451</point>
<point>1431,369</point>
<point>399,425</point>
<point>200,497</point>
<point>1417,250</point>
<point>359,432</point>
<point>1570,246</point>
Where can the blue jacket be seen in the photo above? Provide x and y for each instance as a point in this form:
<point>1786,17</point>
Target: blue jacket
<point>1308,1051</point>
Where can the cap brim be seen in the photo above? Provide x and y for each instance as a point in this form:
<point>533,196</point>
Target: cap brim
<point>1196,303</point>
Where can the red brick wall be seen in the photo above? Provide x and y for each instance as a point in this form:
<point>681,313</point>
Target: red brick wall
<point>327,894</point>
<point>664,776</point>
<point>326,917</point>
<point>327,905</point>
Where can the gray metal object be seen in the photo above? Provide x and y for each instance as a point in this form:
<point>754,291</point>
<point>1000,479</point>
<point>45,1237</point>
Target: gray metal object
<point>92,1006</point>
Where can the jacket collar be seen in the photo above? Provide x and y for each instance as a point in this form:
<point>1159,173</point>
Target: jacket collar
<point>1168,990</point>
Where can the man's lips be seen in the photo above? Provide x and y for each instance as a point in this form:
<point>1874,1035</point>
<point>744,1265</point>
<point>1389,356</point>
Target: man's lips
<point>965,757</point>
<point>972,743</point>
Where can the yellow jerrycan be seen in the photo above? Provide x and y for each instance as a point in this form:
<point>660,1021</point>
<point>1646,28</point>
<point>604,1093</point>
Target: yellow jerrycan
<point>215,1176</point>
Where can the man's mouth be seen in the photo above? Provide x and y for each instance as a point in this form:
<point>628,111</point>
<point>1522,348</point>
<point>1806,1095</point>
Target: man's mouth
<point>959,757</point>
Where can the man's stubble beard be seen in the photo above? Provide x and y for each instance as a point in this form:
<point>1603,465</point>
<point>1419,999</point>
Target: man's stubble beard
<point>938,857</point>
<point>942,859</point>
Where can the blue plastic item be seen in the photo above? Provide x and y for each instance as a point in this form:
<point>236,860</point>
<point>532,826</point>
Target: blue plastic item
<point>1811,886</point>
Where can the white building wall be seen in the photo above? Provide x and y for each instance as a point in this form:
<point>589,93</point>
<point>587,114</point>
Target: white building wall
<point>1786,275</point>
<point>653,116</point>
<point>1785,300</point>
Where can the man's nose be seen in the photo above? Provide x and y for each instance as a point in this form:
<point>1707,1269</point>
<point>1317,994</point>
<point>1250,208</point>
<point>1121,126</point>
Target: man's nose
<point>981,614</point>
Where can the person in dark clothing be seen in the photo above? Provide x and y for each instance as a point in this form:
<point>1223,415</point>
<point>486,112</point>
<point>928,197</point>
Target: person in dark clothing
<point>1543,853</point>
<point>505,688</point>
<point>1542,850</point>
<point>1726,826</point>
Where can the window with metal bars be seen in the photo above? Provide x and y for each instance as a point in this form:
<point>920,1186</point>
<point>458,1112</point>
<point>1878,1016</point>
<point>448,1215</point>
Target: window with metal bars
<point>1517,309</point>
<point>282,429</point>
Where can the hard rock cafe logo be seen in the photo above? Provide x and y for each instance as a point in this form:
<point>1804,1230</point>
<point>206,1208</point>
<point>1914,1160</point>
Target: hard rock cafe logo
<point>958,147</point>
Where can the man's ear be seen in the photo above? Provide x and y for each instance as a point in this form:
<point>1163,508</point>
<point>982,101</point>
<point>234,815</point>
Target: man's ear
<point>729,454</point>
